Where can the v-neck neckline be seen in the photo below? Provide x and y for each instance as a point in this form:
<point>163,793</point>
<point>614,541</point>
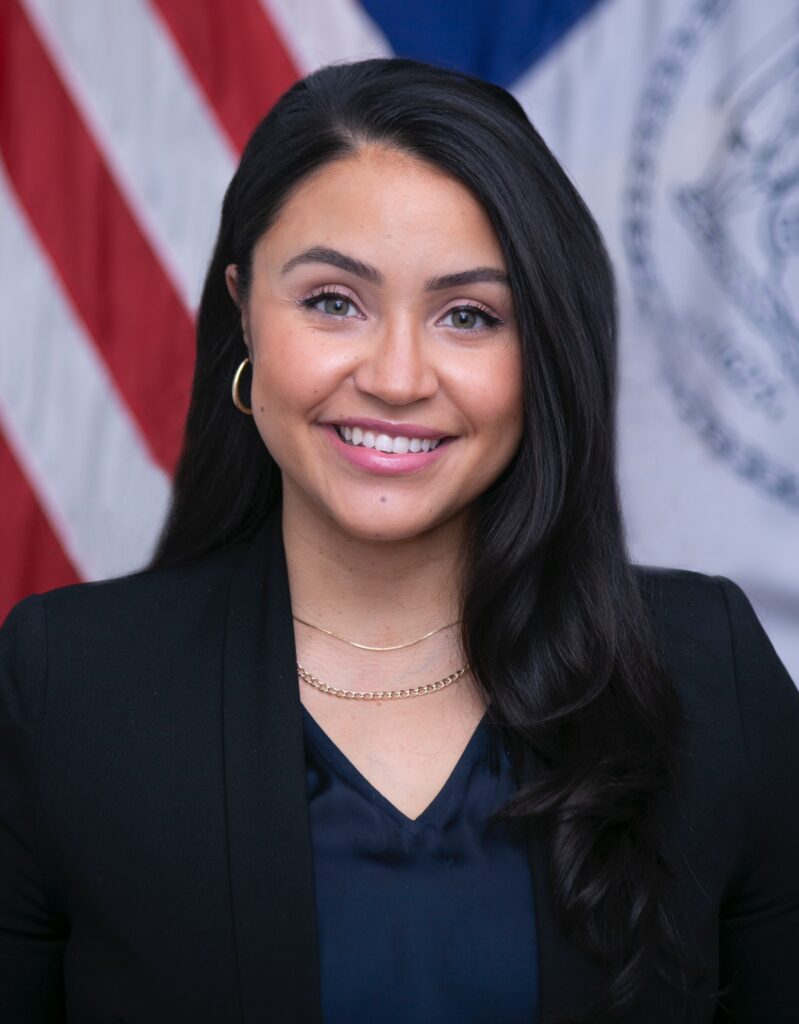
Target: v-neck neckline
<point>269,843</point>
<point>433,813</point>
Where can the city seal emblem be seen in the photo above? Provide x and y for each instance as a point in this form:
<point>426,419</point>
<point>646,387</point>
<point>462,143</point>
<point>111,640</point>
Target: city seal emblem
<point>711,232</point>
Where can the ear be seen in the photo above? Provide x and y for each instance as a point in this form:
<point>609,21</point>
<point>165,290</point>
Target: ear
<point>232,282</point>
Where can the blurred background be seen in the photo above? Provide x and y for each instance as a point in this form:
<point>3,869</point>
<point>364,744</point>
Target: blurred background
<point>120,126</point>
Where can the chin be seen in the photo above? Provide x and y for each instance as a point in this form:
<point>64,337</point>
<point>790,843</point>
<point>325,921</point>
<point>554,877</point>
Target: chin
<point>386,525</point>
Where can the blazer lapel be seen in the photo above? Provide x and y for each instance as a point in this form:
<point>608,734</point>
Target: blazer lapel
<point>271,865</point>
<point>271,861</point>
<point>569,981</point>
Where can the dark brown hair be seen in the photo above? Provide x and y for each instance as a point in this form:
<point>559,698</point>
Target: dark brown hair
<point>553,621</point>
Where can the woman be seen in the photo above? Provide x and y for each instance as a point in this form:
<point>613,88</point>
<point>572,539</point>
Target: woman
<point>391,730</point>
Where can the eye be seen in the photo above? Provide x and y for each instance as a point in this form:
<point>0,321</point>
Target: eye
<point>469,318</point>
<point>331,303</point>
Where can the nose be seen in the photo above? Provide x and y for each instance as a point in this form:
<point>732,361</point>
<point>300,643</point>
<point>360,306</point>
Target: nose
<point>397,367</point>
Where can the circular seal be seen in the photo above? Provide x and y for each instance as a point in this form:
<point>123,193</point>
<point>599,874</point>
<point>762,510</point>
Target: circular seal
<point>711,232</point>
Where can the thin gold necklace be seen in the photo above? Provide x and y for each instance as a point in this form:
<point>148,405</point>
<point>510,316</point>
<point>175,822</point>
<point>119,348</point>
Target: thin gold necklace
<point>368,647</point>
<point>414,691</point>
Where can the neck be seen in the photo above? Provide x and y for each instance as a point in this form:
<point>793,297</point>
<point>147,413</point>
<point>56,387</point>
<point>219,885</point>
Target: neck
<point>374,592</point>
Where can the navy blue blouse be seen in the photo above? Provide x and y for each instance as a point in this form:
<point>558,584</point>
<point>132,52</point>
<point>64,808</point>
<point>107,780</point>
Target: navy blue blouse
<point>427,919</point>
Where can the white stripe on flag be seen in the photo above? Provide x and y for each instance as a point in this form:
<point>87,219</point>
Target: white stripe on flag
<point>567,94</point>
<point>101,492</point>
<point>146,113</point>
<point>342,31</point>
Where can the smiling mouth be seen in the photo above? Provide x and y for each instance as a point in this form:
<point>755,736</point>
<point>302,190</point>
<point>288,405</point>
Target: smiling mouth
<point>388,443</point>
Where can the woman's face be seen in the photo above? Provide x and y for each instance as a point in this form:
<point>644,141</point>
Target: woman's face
<point>387,380</point>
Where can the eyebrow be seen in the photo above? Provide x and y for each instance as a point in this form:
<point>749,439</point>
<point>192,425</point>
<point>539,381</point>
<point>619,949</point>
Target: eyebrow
<point>322,254</point>
<point>463,277</point>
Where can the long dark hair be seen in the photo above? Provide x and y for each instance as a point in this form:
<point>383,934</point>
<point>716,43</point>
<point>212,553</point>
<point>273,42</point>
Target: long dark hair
<point>553,621</point>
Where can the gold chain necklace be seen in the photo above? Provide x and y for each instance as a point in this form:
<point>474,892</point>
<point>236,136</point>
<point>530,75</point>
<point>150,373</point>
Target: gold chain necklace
<point>368,647</point>
<point>415,691</point>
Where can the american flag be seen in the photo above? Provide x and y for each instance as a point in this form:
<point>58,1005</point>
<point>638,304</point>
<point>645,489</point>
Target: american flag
<point>120,126</point>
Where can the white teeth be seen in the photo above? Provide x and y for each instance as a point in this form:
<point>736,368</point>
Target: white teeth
<point>385,443</point>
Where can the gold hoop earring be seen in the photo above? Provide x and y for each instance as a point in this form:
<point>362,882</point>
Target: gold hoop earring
<point>234,391</point>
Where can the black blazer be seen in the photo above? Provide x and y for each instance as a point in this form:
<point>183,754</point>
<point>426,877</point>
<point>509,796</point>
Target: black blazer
<point>155,853</point>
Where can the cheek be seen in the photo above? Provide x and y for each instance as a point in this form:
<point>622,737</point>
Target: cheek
<point>279,393</point>
<point>281,369</point>
<point>292,377</point>
<point>497,400</point>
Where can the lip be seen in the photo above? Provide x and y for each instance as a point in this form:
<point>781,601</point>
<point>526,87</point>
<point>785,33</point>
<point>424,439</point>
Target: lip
<point>388,427</point>
<point>381,463</point>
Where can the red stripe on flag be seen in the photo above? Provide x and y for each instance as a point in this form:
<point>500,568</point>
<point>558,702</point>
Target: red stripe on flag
<point>236,55</point>
<point>112,276</point>
<point>31,556</point>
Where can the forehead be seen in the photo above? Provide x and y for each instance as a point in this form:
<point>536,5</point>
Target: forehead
<point>388,208</point>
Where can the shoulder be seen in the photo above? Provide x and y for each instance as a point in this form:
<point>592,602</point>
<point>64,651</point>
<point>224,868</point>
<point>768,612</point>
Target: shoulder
<point>150,588</point>
<point>118,617</point>
<point>730,832</point>
<point>690,618</point>
<point>740,703</point>
<point>699,616</point>
<point>687,603</point>
<point>711,638</point>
